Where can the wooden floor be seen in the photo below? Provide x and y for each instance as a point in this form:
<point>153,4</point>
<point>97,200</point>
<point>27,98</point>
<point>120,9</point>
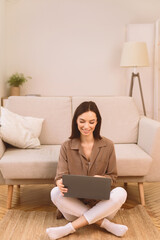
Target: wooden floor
<point>37,197</point>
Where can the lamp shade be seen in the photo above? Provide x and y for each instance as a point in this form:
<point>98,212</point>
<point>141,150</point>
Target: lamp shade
<point>134,54</point>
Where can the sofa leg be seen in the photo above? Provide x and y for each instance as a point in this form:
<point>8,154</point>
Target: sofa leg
<point>10,193</point>
<point>125,184</point>
<point>141,193</point>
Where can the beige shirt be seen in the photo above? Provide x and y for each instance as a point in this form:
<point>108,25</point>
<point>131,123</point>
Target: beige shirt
<point>72,159</point>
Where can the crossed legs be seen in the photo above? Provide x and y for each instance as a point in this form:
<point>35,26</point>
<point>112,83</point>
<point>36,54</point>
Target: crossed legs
<point>81,215</point>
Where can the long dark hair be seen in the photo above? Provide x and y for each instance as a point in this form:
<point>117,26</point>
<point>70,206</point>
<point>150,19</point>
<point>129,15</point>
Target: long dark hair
<point>82,108</point>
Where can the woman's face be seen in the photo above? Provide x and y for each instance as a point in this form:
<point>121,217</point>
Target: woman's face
<point>86,123</point>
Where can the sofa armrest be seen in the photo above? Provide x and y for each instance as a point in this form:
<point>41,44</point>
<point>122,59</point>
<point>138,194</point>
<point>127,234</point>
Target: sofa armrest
<point>149,141</point>
<point>2,148</point>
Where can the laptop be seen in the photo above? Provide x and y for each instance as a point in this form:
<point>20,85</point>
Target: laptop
<point>87,187</point>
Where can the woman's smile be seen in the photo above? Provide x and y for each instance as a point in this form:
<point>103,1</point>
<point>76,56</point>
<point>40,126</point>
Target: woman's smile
<point>85,131</point>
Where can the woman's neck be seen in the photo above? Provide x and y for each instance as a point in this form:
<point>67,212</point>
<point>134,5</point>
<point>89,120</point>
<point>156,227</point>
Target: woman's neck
<point>87,139</point>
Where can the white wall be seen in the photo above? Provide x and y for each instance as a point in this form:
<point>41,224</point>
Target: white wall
<point>72,47</point>
<point>2,49</point>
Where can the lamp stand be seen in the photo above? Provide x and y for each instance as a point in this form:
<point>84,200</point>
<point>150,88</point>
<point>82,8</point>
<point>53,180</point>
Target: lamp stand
<point>140,87</point>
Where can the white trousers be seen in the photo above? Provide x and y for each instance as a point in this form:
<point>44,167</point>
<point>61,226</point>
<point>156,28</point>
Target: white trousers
<point>72,208</point>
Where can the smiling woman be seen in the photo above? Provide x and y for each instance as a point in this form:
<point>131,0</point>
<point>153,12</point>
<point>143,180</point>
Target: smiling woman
<point>87,153</point>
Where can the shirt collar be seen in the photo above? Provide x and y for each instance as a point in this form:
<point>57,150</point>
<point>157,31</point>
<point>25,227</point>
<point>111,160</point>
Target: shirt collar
<point>75,143</point>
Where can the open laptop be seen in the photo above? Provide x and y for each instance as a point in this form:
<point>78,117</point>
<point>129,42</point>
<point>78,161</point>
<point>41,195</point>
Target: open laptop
<point>87,187</point>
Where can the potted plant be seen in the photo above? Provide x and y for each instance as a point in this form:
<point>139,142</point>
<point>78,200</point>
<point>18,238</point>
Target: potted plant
<point>15,81</point>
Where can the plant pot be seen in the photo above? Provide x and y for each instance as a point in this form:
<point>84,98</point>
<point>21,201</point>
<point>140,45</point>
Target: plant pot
<point>15,91</point>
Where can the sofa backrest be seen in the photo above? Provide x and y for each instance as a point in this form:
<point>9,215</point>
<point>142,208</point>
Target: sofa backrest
<point>120,117</point>
<point>56,112</point>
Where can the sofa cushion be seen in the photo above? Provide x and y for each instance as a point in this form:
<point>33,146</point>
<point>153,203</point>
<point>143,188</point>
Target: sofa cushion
<point>132,160</point>
<point>30,163</point>
<point>120,117</point>
<point>42,163</point>
<point>20,131</point>
<point>56,112</point>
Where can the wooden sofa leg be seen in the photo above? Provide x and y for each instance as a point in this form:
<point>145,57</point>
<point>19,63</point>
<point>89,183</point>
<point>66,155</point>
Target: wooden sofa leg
<point>141,193</point>
<point>10,193</point>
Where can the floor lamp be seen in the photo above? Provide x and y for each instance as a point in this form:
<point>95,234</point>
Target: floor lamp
<point>135,55</point>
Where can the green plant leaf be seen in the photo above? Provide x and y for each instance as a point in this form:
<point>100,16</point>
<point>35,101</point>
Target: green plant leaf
<point>17,79</point>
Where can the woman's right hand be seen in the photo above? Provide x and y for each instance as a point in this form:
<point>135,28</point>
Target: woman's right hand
<point>61,186</point>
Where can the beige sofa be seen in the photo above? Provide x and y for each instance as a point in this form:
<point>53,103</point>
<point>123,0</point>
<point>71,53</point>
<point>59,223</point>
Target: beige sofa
<point>136,138</point>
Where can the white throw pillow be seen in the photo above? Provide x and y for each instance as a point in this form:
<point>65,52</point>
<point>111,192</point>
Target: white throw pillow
<point>19,131</point>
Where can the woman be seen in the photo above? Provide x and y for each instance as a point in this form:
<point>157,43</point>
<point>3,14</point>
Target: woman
<point>87,153</point>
